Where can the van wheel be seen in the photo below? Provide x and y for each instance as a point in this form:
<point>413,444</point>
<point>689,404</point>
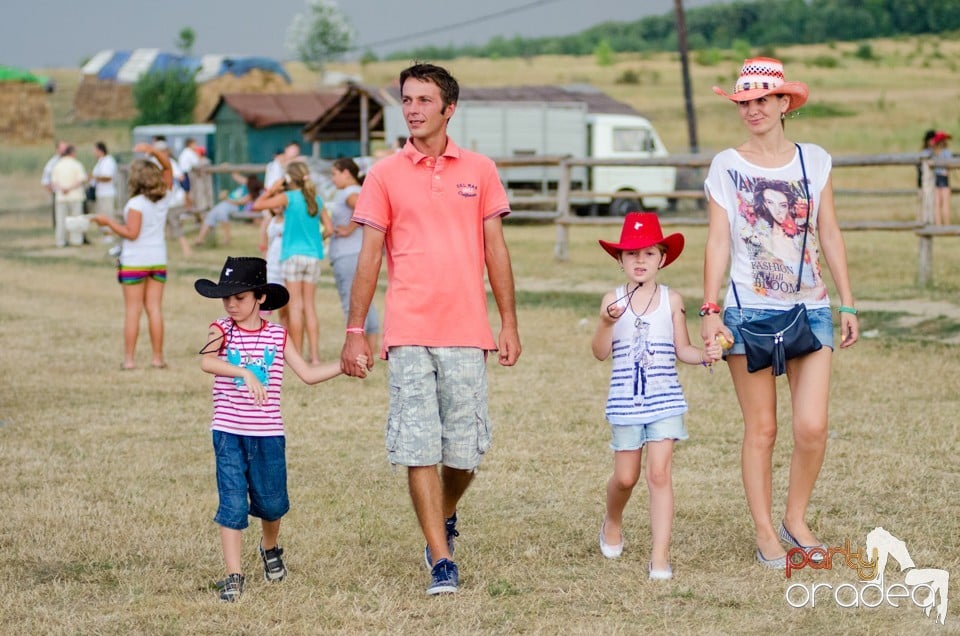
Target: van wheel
<point>620,207</point>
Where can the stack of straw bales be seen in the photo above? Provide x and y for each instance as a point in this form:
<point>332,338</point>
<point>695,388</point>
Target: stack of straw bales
<point>255,81</point>
<point>101,99</point>
<point>25,114</point>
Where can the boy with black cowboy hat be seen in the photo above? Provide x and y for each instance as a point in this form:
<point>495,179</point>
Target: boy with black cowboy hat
<point>246,353</point>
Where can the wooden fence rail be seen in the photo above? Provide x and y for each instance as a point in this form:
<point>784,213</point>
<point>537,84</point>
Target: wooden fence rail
<point>923,227</point>
<point>560,205</point>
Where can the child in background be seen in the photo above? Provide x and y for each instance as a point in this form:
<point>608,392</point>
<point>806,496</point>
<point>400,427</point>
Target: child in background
<point>941,176</point>
<point>142,262</point>
<point>306,224</point>
<point>643,325</point>
<point>271,245</point>
<point>246,354</point>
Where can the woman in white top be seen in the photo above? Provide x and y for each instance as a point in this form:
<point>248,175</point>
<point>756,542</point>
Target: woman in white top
<point>766,196</point>
<point>142,265</point>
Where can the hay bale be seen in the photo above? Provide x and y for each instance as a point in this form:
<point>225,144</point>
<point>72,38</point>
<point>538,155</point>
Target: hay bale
<point>256,81</point>
<point>25,114</point>
<point>98,99</point>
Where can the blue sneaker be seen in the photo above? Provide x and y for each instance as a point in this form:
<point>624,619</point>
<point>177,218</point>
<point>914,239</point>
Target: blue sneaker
<point>451,525</point>
<point>446,578</point>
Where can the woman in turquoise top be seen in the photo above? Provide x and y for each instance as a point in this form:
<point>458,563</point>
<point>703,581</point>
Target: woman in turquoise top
<point>306,225</point>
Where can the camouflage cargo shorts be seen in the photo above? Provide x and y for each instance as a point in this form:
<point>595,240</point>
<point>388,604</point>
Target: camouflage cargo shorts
<point>438,406</point>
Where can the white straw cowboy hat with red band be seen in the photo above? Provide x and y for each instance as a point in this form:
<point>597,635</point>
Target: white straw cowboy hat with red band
<point>641,230</point>
<point>762,76</point>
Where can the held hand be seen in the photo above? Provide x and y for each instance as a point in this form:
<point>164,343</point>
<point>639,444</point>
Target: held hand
<point>355,357</point>
<point>712,352</point>
<point>710,326</point>
<point>99,219</point>
<point>362,365</point>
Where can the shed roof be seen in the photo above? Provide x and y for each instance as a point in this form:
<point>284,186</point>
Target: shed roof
<point>343,119</point>
<point>273,109</point>
<point>596,100</point>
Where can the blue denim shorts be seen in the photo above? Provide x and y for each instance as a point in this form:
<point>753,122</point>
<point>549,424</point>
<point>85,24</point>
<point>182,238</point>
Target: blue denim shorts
<point>633,436</point>
<point>251,478</point>
<point>821,322</point>
<point>438,406</point>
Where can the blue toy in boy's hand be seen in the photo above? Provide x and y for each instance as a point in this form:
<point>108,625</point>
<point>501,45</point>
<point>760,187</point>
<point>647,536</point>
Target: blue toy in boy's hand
<point>260,368</point>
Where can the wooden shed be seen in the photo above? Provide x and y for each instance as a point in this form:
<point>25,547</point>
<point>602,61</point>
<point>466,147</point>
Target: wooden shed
<point>351,124</point>
<point>251,127</point>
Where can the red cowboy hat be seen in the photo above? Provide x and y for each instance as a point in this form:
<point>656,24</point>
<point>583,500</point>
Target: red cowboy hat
<point>761,76</point>
<point>640,230</point>
<point>940,136</point>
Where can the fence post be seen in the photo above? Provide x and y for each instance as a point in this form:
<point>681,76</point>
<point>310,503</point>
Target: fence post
<point>925,251</point>
<point>561,249</point>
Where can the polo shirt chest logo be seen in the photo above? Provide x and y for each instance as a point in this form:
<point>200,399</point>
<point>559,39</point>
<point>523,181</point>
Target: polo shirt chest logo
<point>467,190</point>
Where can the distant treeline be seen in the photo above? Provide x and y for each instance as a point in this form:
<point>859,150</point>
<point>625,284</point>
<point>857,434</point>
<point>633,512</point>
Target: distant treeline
<point>764,23</point>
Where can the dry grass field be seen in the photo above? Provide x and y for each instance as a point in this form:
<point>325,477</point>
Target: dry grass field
<point>109,476</point>
<point>110,489</point>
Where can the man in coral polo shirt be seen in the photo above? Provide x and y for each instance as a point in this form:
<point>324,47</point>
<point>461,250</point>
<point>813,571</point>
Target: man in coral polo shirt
<point>436,210</point>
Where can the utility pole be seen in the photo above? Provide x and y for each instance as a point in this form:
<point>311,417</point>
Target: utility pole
<point>685,65</point>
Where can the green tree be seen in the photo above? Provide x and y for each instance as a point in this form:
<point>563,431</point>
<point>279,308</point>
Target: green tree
<point>185,40</point>
<point>165,97</point>
<point>602,53</point>
<point>321,34</point>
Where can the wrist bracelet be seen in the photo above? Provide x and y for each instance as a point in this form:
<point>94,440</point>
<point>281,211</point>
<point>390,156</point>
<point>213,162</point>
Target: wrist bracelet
<point>847,310</point>
<point>709,308</point>
<point>358,330</point>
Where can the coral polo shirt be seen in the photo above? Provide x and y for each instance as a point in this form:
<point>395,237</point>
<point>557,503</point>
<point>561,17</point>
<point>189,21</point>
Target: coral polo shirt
<point>432,212</point>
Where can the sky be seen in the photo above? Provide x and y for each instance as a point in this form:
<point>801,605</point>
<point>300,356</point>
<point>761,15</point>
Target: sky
<point>37,34</point>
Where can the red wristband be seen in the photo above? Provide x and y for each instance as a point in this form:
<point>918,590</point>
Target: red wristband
<point>709,308</point>
<point>358,330</point>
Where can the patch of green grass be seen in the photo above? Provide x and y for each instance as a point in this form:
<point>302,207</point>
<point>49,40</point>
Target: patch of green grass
<point>823,110</point>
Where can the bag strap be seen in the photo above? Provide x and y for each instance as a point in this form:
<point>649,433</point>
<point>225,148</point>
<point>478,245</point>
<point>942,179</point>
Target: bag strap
<point>806,228</point>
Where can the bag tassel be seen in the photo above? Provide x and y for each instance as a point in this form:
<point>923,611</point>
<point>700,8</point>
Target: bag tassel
<point>779,360</point>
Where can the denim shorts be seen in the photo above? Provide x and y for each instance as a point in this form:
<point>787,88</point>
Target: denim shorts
<point>251,478</point>
<point>438,406</point>
<point>821,322</point>
<point>633,436</point>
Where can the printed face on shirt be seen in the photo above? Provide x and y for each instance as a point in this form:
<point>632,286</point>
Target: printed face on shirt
<point>423,109</point>
<point>777,204</point>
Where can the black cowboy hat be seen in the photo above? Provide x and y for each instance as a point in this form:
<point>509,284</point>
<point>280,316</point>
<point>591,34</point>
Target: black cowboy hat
<point>244,273</point>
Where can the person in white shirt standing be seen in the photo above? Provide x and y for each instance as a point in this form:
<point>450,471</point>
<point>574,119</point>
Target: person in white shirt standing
<point>67,180</point>
<point>188,159</point>
<point>103,178</point>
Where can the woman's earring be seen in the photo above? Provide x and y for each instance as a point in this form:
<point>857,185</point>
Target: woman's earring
<point>783,116</point>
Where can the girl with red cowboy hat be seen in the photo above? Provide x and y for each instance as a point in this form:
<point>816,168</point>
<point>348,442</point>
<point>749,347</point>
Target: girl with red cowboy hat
<point>643,327</point>
<point>941,176</point>
<point>768,277</point>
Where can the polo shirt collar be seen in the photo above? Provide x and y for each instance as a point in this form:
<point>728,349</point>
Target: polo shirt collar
<point>410,151</point>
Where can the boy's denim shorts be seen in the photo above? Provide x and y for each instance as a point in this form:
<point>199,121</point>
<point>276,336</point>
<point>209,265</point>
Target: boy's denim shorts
<point>634,436</point>
<point>438,406</point>
<point>251,478</point>
<point>821,322</point>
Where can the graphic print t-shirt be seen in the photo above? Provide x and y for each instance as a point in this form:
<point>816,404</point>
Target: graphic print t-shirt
<point>767,209</point>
